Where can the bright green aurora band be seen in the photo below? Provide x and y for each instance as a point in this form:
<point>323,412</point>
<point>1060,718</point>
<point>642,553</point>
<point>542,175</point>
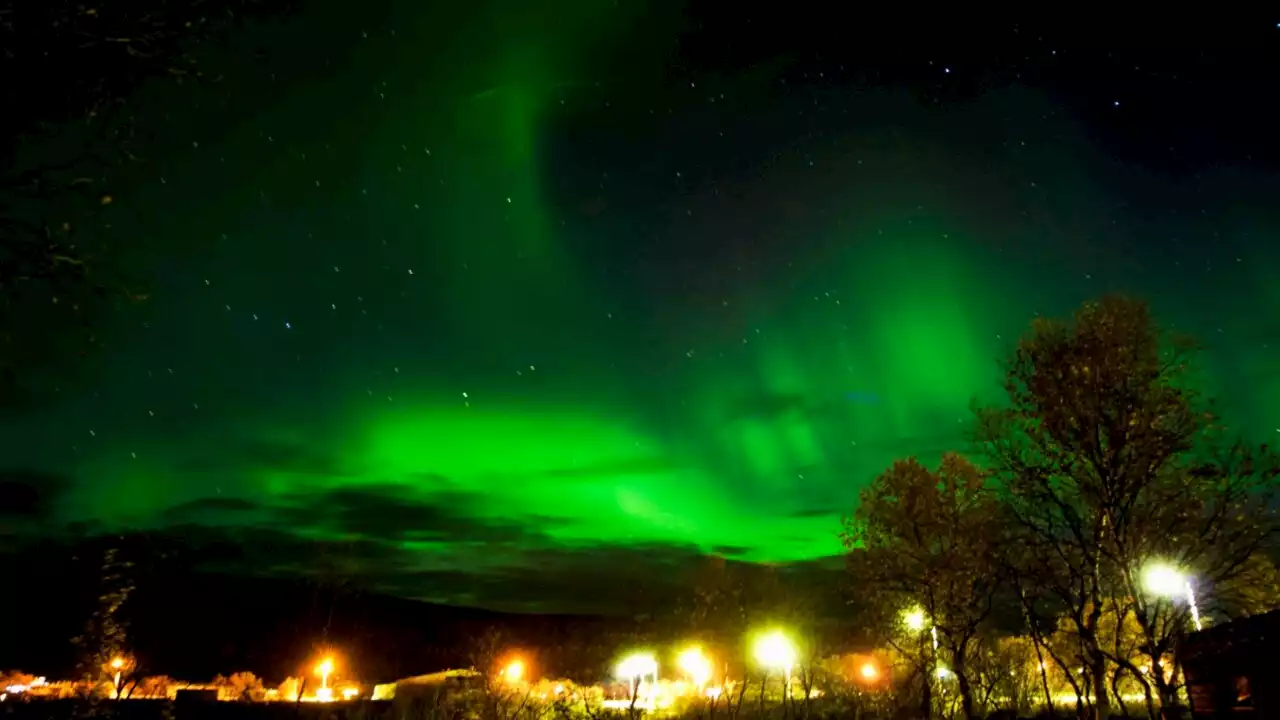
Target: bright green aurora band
<point>486,267</point>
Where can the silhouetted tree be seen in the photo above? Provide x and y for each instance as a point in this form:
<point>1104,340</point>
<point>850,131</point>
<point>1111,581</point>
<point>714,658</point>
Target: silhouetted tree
<point>1253,590</point>
<point>500,698</point>
<point>928,540</point>
<point>104,645</point>
<point>1108,458</point>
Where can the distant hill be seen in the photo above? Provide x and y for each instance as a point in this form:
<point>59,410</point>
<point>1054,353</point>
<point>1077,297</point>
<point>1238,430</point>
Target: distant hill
<point>194,625</point>
<point>217,623</point>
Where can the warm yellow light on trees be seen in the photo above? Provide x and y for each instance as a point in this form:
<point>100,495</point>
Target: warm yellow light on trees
<point>514,671</point>
<point>914,618</point>
<point>117,663</point>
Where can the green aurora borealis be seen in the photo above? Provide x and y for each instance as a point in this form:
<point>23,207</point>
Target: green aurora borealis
<point>496,294</point>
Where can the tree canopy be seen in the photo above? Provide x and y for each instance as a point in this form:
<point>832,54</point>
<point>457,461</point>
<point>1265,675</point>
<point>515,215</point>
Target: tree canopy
<point>925,541</point>
<point>1104,463</point>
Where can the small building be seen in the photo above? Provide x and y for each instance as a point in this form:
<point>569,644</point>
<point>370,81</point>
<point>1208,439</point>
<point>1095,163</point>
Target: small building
<point>1232,669</point>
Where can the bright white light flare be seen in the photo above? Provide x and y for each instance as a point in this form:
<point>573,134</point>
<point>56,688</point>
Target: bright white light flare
<point>776,651</point>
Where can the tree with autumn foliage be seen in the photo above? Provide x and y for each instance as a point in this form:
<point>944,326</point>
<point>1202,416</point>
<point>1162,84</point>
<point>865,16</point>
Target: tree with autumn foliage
<point>928,539</point>
<point>1108,458</point>
<point>240,686</point>
<point>155,687</point>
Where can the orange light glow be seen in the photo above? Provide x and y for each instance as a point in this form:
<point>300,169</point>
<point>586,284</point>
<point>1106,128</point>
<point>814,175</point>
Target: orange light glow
<point>325,667</point>
<point>869,671</point>
<point>117,663</point>
<point>696,665</point>
<point>514,671</point>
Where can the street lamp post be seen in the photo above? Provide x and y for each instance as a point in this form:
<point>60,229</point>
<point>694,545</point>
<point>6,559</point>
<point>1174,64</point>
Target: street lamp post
<point>1166,581</point>
<point>323,670</point>
<point>774,650</point>
<point>916,620</point>
<point>117,666</point>
<point>634,668</point>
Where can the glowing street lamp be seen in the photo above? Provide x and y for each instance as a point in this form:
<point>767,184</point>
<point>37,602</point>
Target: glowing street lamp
<point>514,671</point>
<point>634,668</point>
<point>696,665</point>
<point>1166,581</point>
<point>869,672</point>
<point>324,668</point>
<point>776,651</point>
<point>915,620</point>
<point>117,671</point>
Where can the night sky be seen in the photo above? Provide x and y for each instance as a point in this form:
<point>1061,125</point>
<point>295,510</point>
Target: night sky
<point>511,303</point>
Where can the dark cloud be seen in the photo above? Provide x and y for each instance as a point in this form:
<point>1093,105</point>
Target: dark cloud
<point>30,494</point>
<point>616,579</point>
<point>394,512</point>
<point>372,538</point>
<point>539,577</point>
<point>256,550</point>
<point>533,574</point>
<point>370,565</point>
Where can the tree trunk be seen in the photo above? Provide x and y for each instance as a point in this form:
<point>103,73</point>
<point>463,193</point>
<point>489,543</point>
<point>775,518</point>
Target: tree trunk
<point>1097,662</point>
<point>1101,698</point>
<point>1044,675</point>
<point>926,694</point>
<point>926,679</point>
<point>966,692</point>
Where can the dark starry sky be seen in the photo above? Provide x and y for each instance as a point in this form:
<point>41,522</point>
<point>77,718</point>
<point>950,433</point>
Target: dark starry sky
<point>487,302</point>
